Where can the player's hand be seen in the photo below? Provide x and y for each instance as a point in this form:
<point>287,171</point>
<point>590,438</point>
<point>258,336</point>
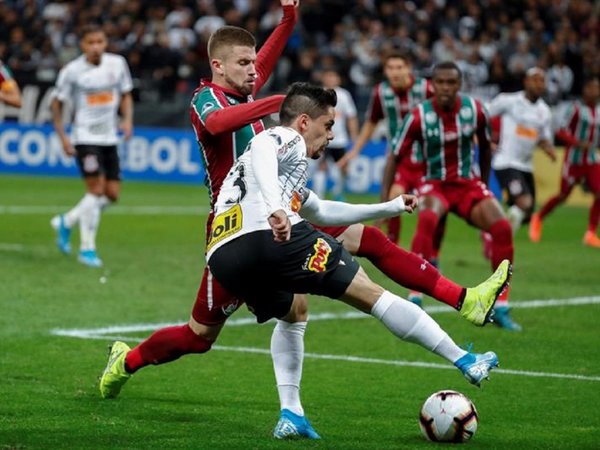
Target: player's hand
<point>127,129</point>
<point>68,147</point>
<point>281,226</point>
<point>551,153</point>
<point>411,202</point>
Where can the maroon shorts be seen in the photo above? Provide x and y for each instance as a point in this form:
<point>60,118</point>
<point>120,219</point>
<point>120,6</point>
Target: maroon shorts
<point>409,177</point>
<point>576,173</point>
<point>214,304</point>
<point>459,196</point>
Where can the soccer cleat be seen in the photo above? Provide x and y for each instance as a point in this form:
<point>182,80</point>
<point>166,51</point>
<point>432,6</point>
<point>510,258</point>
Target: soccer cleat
<point>476,367</point>
<point>479,301</point>
<point>89,258</point>
<point>293,426</point>
<point>63,234</point>
<point>590,239</point>
<point>114,376</point>
<point>535,228</point>
<point>415,297</point>
<point>503,319</point>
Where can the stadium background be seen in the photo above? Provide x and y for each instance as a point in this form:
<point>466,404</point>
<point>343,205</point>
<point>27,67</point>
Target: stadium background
<point>493,41</point>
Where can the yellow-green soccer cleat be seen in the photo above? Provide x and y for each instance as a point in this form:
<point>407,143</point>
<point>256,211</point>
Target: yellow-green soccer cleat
<point>114,376</point>
<point>479,301</point>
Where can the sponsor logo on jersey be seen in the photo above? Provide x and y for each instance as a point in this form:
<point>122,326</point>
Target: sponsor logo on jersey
<point>225,224</point>
<point>317,262</point>
<point>285,147</point>
<point>296,201</point>
<point>99,98</point>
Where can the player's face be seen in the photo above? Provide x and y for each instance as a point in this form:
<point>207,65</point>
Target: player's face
<point>93,46</point>
<point>318,132</point>
<point>398,72</point>
<point>446,84</point>
<point>238,68</point>
<point>591,91</point>
<point>535,85</point>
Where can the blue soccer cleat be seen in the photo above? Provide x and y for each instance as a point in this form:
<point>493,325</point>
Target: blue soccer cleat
<point>476,367</point>
<point>503,319</point>
<point>416,298</point>
<point>89,258</point>
<point>293,426</point>
<point>63,234</point>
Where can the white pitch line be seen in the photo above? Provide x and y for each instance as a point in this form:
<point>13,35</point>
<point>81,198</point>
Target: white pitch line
<point>8,247</point>
<point>117,209</point>
<point>441,309</point>
<point>111,334</point>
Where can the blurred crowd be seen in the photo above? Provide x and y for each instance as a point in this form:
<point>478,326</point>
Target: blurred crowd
<point>493,41</point>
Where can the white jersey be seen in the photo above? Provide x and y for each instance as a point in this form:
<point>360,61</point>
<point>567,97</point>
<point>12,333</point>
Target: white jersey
<point>524,124</point>
<point>344,110</point>
<point>95,92</point>
<point>271,175</point>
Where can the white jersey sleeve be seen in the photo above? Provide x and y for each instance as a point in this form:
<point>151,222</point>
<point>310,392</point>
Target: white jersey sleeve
<point>63,89</point>
<point>499,104</point>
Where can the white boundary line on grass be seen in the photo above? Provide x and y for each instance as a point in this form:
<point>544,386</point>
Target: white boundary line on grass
<point>117,209</point>
<point>110,333</point>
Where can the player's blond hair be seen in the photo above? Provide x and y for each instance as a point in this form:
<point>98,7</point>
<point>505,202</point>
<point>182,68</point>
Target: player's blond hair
<point>226,37</point>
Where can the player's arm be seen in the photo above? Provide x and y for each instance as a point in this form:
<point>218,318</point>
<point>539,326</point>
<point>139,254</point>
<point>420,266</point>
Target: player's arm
<point>232,118</point>
<point>564,135</point>
<point>10,93</point>
<point>263,157</point>
<point>484,142</point>
<point>407,135</point>
<point>62,91</point>
<point>272,49</point>
<point>546,141</point>
<point>328,213</point>
<point>126,109</point>
<point>499,105</point>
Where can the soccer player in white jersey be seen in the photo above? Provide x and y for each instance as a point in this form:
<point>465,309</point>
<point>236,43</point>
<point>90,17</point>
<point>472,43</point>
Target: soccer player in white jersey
<point>263,250</point>
<point>98,84</point>
<point>345,132</point>
<point>526,123</point>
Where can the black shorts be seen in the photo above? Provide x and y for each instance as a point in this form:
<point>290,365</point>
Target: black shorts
<point>335,153</point>
<point>95,160</point>
<point>516,183</point>
<point>266,274</point>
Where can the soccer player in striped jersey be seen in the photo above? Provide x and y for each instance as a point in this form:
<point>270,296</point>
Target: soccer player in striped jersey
<point>580,132</point>
<point>10,93</point>
<point>391,100</point>
<point>447,128</point>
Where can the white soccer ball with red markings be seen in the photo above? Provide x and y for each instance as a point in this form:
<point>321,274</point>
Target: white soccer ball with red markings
<point>448,416</point>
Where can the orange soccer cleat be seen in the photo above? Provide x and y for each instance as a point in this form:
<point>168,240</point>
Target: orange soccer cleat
<point>590,239</point>
<point>535,228</point>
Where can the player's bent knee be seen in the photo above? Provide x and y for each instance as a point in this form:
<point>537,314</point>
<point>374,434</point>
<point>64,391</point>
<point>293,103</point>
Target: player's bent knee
<point>362,293</point>
<point>298,311</point>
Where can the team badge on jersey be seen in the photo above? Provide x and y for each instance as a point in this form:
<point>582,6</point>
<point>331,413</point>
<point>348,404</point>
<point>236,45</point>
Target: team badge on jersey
<point>466,113</point>
<point>225,225</point>
<point>317,262</point>
<point>296,202</point>
<point>431,117</point>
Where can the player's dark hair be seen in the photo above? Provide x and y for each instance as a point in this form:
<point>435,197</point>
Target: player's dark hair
<point>590,79</point>
<point>446,65</point>
<point>227,36</point>
<point>396,54</point>
<point>90,28</point>
<point>306,98</point>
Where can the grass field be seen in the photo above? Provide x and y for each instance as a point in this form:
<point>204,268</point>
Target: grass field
<point>362,389</point>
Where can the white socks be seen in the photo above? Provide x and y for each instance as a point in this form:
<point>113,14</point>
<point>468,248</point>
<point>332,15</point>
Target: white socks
<point>287,351</point>
<point>89,219</point>
<point>410,323</point>
<point>515,217</point>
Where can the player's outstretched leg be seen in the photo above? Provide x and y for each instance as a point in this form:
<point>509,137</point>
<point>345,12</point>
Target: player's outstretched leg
<point>476,367</point>
<point>63,234</point>
<point>293,426</point>
<point>115,376</point>
<point>479,300</point>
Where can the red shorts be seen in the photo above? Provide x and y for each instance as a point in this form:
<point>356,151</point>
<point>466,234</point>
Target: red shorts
<point>576,173</point>
<point>459,196</point>
<point>332,231</point>
<point>409,177</point>
<point>214,304</point>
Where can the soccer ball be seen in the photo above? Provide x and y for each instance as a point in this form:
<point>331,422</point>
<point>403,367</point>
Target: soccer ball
<point>448,416</point>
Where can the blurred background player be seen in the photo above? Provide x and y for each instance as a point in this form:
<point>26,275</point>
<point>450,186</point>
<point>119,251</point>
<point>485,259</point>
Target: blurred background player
<point>580,132</point>
<point>345,131</point>
<point>10,93</point>
<point>391,100</point>
<point>526,122</point>
<point>98,85</point>
<point>446,128</point>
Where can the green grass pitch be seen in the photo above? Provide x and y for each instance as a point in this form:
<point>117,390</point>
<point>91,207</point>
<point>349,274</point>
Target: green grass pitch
<point>546,395</point>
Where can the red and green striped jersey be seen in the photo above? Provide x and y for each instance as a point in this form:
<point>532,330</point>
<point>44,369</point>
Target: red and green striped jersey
<point>393,105</point>
<point>581,124</point>
<point>447,138</point>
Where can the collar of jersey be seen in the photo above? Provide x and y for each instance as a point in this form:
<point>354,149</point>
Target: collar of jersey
<point>230,92</point>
